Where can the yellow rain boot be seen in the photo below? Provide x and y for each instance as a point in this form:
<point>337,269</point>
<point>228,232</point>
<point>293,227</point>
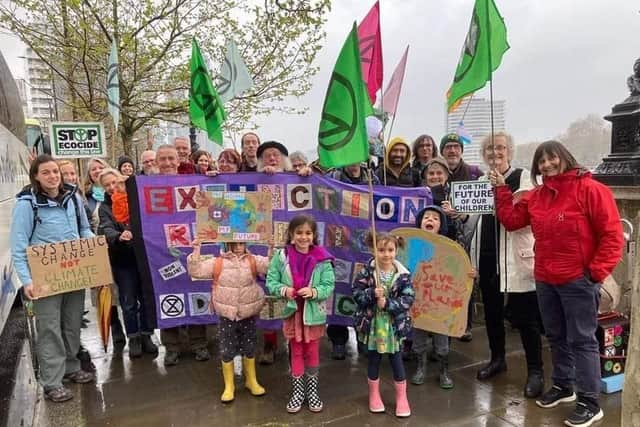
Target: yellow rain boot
<point>229,386</point>
<point>250,380</point>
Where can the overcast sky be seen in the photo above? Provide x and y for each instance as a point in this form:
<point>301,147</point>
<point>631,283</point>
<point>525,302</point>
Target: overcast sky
<point>567,59</point>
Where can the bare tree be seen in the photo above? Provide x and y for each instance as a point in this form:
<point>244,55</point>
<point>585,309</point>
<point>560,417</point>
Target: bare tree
<point>279,40</point>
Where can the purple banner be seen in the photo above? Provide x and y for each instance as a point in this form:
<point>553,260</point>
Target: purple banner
<point>165,216</point>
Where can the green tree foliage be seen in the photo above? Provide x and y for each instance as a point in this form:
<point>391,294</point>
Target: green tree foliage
<point>278,39</point>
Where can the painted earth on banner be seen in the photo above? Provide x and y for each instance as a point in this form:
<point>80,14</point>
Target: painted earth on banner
<point>164,214</point>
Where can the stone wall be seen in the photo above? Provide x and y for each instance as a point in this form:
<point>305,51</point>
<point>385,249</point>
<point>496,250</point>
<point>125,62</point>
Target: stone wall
<point>628,201</point>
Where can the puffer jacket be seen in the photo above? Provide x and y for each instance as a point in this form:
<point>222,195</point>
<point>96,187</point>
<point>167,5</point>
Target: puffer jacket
<point>516,257</point>
<point>236,295</point>
<point>400,299</point>
<point>575,223</point>
<point>56,221</point>
<point>323,281</point>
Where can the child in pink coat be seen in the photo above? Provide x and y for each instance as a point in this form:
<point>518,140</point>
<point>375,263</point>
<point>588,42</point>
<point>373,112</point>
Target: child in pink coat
<point>237,299</point>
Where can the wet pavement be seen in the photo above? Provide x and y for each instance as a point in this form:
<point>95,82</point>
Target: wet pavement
<point>143,393</point>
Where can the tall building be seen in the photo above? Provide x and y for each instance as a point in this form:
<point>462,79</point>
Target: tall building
<point>477,122</point>
<point>40,102</point>
<point>22,91</point>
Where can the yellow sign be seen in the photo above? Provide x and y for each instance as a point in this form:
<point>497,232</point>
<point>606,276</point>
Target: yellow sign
<point>69,265</point>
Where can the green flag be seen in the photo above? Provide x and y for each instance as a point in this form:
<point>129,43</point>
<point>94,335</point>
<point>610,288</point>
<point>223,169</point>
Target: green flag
<point>481,54</point>
<point>205,106</point>
<point>342,138</point>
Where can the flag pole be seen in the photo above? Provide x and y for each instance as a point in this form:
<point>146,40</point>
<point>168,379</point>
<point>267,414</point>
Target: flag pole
<point>373,227</point>
<point>491,141</point>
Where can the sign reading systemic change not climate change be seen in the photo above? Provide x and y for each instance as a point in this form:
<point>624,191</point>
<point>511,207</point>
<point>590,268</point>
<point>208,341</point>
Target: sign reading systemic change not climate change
<point>77,139</point>
<point>69,265</point>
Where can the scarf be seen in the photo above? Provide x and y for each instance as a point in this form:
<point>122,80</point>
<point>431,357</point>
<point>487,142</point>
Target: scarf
<point>97,193</point>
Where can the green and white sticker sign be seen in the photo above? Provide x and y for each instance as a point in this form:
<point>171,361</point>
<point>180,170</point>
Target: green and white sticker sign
<point>77,139</point>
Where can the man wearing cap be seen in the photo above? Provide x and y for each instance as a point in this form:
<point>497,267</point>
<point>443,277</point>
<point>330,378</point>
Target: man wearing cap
<point>452,148</point>
<point>273,157</point>
<point>249,144</point>
<point>399,172</point>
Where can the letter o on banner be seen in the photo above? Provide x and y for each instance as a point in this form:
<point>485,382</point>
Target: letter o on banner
<point>385,208</point>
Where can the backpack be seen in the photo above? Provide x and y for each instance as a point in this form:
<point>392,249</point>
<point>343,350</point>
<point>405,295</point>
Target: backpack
<point>36,218</point>
<point>217,268</point>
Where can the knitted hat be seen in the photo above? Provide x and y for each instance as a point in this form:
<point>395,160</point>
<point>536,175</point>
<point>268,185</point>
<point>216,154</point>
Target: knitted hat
<point>272,144</point>
<point>124,159</point>
<point>451,137</point>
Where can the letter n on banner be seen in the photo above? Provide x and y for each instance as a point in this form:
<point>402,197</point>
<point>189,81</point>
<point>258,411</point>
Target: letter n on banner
<point>355,204</point>
<point>410,208</point>
<point>158,200</point>
<point>386,208</point>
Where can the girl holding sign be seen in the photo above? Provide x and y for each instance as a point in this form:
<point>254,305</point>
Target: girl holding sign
<point>382,318</point>
<point>49,211</point>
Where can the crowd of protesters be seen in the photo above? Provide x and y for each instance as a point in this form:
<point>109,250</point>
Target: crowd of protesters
<point>549,289</point>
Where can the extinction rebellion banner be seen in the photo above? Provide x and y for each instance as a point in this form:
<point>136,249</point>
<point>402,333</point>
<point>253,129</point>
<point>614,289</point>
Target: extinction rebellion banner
<point>163,216</point>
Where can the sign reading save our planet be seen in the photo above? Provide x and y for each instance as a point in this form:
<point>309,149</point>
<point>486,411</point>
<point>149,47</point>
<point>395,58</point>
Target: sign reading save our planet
<point>69,265</point>
<point>441,275</point>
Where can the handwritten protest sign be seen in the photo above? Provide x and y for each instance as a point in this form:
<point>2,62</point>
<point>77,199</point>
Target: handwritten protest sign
<point>473,197</point>
<point>70,265</point>
<point>440,273</point>
<point>234,216</point>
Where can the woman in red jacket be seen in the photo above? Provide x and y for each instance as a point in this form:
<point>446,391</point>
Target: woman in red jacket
<point>579,241</point>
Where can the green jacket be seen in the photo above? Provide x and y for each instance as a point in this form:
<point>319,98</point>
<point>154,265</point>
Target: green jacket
<point>322,280</point>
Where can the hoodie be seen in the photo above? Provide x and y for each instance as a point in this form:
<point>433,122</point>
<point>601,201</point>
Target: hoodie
<point>402,177</point>
<point>444,226</point>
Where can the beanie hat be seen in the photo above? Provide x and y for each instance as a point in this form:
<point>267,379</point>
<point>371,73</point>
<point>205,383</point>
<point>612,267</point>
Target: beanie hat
<point>450,137</point>
<point>272,144</point>
<point>124,159</point>
<point>443,218</point>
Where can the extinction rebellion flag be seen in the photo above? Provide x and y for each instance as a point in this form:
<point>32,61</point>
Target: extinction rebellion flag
<point>342,138</point>
<point>205,106</point>
<point>481,54</point>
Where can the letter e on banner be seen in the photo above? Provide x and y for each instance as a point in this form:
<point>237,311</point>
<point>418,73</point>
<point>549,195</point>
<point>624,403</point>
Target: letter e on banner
<point>158,200</point>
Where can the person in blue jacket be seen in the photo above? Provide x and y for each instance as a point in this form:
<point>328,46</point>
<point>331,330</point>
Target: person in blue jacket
<point>49,211</point>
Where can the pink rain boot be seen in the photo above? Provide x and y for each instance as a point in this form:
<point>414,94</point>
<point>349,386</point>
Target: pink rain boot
<point>402,404</point>
<point>375,401</point>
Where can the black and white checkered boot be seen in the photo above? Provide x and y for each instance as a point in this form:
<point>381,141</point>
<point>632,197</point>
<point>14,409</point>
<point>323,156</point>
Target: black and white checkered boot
<point>315,404</point>
<point>297,397</point>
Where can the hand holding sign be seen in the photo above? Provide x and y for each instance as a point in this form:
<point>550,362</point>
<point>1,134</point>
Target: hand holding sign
<point>496,178</point>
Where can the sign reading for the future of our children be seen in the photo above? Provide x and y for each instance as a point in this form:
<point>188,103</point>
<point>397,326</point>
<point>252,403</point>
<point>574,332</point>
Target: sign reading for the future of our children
<point>440,272</point>
<point>69,265</point>
<point>164,210</point>
<point>77,139</point>
<point>235,216</point>
<point>472,197</point>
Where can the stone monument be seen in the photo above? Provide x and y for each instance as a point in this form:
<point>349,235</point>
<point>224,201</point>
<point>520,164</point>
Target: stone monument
<point>622,166</point>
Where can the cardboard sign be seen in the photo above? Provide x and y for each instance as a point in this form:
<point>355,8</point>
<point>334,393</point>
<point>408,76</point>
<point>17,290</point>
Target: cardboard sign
<point>70,265</point>
<point>472,197</point>
<point>77,139</point>
<point>234,216</point>
<point>440,271</point>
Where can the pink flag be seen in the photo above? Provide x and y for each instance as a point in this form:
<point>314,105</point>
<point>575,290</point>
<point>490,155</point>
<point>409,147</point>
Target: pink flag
<point>370,43</point>
<point>392,93</point>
